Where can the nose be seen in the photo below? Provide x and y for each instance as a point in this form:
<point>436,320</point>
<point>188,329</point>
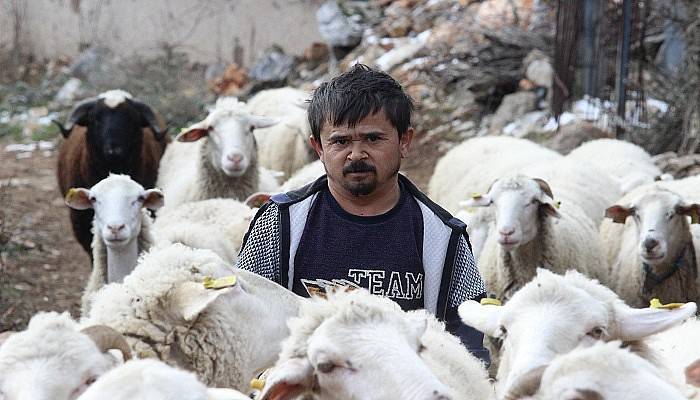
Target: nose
<point>357,152</point>
<point>115,151</point>
<point>115,227</point>
<point>650,243</point>
<point>506,230</point>
<point>440,396</point>
<point>235,157</point>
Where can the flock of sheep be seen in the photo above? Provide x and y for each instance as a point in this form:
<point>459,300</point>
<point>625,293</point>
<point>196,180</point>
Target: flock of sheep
<point>592,256</point>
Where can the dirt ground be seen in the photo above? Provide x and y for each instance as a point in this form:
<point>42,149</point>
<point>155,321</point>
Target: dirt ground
<point>44,268</point>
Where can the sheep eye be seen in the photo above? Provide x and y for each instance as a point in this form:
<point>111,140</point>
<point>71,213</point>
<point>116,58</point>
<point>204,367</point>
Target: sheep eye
<point>596,333</point>
<point>92,199</point>
<point>90,380</point>
<point>141,198</point>
<point>326,367</point>
<point>421,348</point>
<point>504,332</point>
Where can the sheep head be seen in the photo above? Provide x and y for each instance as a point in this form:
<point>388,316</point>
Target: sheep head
<point>114,122</point>
<point>659,217</point>
<point>555,314</point>
<point>53,359</point>
<point>231,147</point>
<point>518,203</point>
<point>117,201</point>
<point>354,345</point>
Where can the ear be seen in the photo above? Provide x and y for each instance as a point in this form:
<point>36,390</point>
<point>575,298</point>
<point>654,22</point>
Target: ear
<point>154,199</point>
<point>692,374</point>
<point>405,141</point>
<point>547,204</point>
<point>194,132</point>
<point>618,213</point>
<point>288,379</point>
<point>477,200</point>
<point>78,199</point>
<point>690,210</point>
<point>316,145</point>
<point>636,324</point>
<point>257,200</point>
<point>80,114</point>
<point>484,318</point>
<point>189,299</point>
<point>149,119</point>
<point>259,122</point>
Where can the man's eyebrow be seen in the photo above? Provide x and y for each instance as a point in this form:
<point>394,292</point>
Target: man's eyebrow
<point>338,135</point>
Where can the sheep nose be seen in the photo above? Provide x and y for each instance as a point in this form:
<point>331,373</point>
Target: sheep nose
<point>650,243</point>
<point>115,228</point>
<point>235,157</point>
<point>440,396</point>
<point>506,231</point>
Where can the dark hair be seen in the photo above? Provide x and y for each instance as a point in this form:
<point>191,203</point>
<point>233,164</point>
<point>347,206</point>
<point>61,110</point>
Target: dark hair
<point>357,93</point>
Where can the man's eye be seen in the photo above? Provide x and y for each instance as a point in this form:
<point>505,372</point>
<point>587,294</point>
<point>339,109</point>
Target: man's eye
<point>339,141</point>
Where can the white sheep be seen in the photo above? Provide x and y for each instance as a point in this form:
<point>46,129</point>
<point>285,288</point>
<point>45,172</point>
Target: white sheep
<point>223,161</point>
<point>358,346</point>
<point>53,359</point>
<point>222,329</point>
<point>628,163</point>
<point>121,226</point>
<point>555,314</point>
<point>605,371</point>
<point>215,224</point>
<point>532,231</point>
<point>153,380</point>
<point>652,250</point>
<point>473,165</point>
<point>307,174</point>
<point>283,147</point>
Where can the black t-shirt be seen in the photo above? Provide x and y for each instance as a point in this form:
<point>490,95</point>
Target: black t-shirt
<point>382,253</point>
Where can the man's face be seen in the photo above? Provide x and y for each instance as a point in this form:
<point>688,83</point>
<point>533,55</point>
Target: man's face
<point>364,158</point>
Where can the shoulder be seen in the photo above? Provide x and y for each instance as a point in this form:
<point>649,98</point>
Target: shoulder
<point>434,210</point>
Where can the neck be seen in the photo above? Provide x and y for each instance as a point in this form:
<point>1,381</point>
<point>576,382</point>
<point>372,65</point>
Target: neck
<point>121,261</point>
<point>380,201</point>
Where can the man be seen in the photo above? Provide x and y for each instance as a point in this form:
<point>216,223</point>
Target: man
<point>364,224</point>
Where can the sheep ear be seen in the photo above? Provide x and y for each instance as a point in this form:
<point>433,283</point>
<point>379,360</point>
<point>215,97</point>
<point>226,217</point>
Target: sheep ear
<point>259,122</point>
<point>189,299</point>
<point>690,210</point>
<point>193,133</point>
<point>149,119</point>
<point>547,204</point>
<point>618,213</point>
<point>483,318</point>
<point>636,324</point>
<point>288,379</point>
<point>78,199</point>
<point>692,374</point>
<point>256,200</point>
<point>477,200</point>
<point>154,199</point>
<point>80,114</point>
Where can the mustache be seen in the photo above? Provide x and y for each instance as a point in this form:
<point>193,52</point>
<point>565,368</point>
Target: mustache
<point>358,166</point>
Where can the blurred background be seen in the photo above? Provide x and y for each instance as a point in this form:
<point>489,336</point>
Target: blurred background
<point>556,72</point>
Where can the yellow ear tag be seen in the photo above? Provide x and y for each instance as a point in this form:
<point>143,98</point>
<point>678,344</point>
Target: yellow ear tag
<point>557,204</point>
<point>220,283</point>
<point>476,196</point>
<point>655,303</point>
<point>694,218</point>
<point>487,301</point>
<point>72,192</point>
<point>257,384</point>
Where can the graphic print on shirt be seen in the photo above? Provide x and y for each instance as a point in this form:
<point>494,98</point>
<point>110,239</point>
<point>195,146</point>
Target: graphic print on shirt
<point>406,286</point>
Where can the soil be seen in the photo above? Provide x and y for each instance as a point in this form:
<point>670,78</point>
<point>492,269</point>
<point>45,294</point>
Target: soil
<point>43,268</point>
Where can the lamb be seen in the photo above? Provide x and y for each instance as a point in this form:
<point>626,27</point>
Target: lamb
<point>122,226</point>
<point>605,371</point>
<point>53,359</point>
<point>628,163</point>
<point>110,133</point>
<point>653,250</point>
<point>283,147</point>
<point>307,174</point>
<point>563,313</point>
<point>222,163</point>
<point>152,379</point>
<point>473,165</point>
<point>530,231</point>
<point>358,346</point>
<point>168,309</point>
